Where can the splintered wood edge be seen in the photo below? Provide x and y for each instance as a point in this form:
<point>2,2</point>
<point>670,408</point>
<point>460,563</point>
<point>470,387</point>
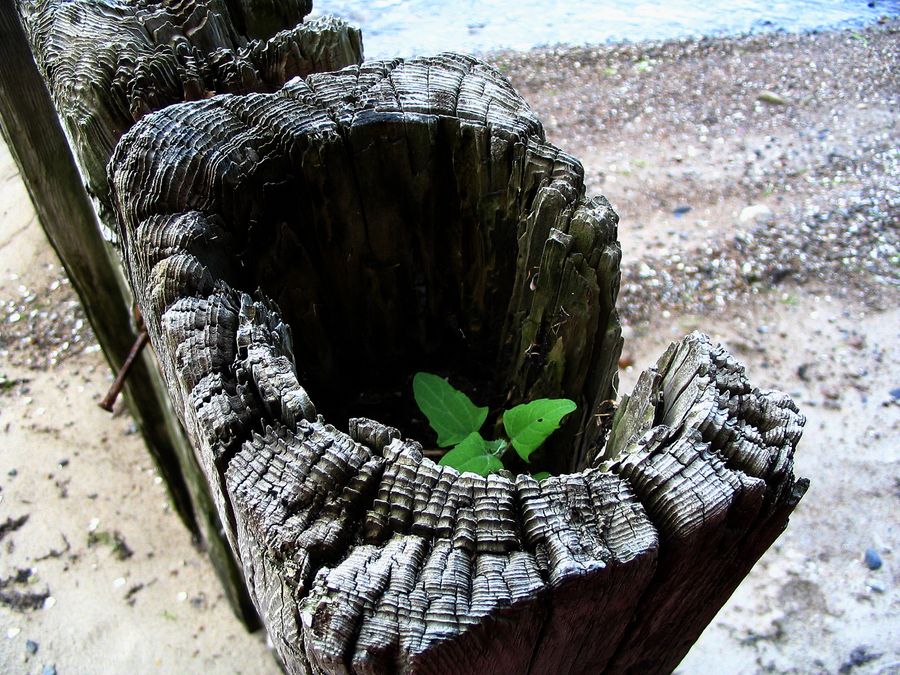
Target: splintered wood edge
<point>364,556</point>
<point>110,63</point>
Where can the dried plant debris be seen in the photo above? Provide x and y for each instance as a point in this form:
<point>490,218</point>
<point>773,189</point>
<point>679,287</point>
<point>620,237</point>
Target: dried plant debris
<point>8,384</point>
<point>11,525</point>
<point>57,552</point>
<point>16,594</point>
<point>114,540</point>
<point>131,594</point>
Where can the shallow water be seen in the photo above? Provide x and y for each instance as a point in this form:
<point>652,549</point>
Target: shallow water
<point>411,27</point>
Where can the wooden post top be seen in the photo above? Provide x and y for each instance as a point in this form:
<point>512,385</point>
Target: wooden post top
<point>317,244</point>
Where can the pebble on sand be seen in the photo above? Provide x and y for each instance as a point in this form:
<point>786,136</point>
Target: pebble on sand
<point>872,559</point>
<point>771,98</point>
<point>749,214</point>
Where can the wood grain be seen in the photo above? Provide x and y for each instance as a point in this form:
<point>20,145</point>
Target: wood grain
<point>32,132</point>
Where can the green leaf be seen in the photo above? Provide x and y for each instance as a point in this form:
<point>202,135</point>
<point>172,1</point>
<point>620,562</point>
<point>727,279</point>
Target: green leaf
<point>484,465</point>
<point>528,425</point>
<point>449,411</point>
<point>473,454</point>
<point>541,475</point>
<point>497,448</point>
<point>472,446</point>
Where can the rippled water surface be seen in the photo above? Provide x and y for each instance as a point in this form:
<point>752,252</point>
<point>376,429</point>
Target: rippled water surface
<point>410,27</point>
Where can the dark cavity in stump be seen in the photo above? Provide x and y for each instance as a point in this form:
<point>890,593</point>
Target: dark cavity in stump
<point>388,257</point>
<point>390,264</point>
<point>432,235</point>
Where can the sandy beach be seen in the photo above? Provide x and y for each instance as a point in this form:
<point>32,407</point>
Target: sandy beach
<point>757,181</point>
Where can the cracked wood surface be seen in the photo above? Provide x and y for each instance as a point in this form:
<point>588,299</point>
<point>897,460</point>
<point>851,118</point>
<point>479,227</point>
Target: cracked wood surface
<point>324,241</point>
<point>110,62</point>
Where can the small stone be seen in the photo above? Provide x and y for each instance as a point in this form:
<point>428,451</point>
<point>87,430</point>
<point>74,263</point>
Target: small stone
<point>771,98</point>
<point>49,602</point>
<point>181,597</point>
<point>64,462</point>
<point>679,211</point>
<point>749,214</point>
<point>856,341</point>
<point>12,473</point>
<point>831,393</point>
<point>872,559</point>
<point>31,647</point>
<point>12,632</point>
<point>895,393</point>
<point>875,586</point>
<point>48,670</point>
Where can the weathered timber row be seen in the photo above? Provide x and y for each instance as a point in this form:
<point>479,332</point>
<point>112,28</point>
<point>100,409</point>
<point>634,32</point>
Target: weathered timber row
<point>325,242</point>
<point>106,64</point>
<point>39,146</point>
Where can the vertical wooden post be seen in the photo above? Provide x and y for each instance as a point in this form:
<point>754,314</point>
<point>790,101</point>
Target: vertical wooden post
<point>37,143</point>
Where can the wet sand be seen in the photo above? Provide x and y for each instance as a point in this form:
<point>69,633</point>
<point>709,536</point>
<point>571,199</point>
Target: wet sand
<point>769,220</point>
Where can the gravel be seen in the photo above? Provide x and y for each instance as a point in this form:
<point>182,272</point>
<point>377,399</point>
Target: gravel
<point>776,154</point>
<point>852,250</point>
<point>41,327</point>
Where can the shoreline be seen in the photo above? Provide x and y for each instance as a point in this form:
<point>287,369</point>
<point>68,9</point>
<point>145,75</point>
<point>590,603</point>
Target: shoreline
<point>821,177</point>
<point>882,23</point>
<point>420,27</point>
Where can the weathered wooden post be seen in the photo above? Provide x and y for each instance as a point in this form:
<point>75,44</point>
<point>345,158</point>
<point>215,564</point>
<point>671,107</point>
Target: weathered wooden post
<point>325,242</point>
<point>32,131</point>
<point>107,64</point>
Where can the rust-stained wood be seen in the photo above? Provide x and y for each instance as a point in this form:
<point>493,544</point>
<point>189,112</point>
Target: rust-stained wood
<point>321,244</point>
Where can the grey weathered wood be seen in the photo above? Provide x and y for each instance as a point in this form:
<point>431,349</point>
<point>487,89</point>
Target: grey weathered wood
<point>325,242</point>
<point>734,447</point>
<point>32,131</point>
<point>107,64</point>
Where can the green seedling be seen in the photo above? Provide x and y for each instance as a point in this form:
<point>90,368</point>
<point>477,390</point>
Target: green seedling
<point>457,421</point>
